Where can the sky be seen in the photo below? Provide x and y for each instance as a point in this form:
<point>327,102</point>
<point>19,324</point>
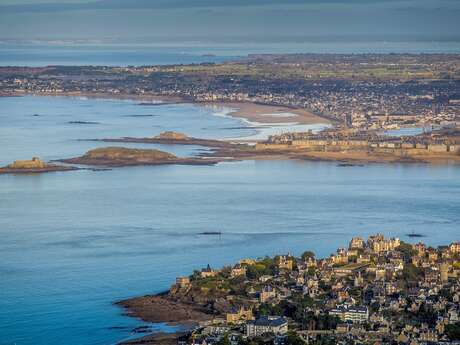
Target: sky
<point>230,20</point>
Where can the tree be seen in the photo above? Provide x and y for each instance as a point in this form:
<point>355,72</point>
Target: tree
<point>294,339</point>
<point>453,331</point>
<point>224,340</point>
<point>307,255</point>
<point>407,251</point>
<point>411,272</point>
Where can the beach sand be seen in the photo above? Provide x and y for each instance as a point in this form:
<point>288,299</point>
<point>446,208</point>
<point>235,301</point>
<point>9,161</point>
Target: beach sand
<point>261,113</point>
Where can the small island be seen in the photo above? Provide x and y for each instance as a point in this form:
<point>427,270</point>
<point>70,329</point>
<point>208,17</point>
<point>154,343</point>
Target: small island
<point>122,156</point>
<point>34,165</point>
<point>349,148</point>
<point>380,290</point>
<point>170,138</point>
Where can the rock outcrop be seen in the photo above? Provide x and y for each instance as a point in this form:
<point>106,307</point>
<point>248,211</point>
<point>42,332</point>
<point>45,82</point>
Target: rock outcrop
<point>170,135</point>
<point>122,156</point>
<point>115,153</point>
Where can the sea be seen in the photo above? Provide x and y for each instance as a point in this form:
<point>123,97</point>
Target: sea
<point>46,53</point>
<point>73,243</point>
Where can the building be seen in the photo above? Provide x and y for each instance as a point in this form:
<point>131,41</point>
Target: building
<point>378,243</point>
<point>34,163</point>
<point>267,324</point>
<point>182,282</point>
<point>248,262</point>
<point>267,293</point>
<point>285,262</point>
<point>350,269</point>
<point>208,272</point>
<point>238,270</point>
<point>350,313</point>
<point>239,314</point>
<point>356,243</point>
<point>455,248</point>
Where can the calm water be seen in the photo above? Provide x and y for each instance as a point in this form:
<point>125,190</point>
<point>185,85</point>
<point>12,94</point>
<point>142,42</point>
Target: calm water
<point>44,54</point>
<point>72,243</point>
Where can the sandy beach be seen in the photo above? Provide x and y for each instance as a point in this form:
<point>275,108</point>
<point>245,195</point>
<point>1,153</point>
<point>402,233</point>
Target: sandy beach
<point>253,112</point>
<point>262,113</point>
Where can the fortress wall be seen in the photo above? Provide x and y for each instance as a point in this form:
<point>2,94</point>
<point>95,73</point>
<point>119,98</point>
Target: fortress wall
<point>35,163</point>
<point>437,148</point>
<point>260,146</point>
<point>455,149</point>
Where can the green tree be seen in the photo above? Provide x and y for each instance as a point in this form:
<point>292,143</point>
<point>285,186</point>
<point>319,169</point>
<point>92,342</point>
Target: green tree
<point>407,251</point>
<point>411,272</point>
<point>224,340</point>
<point>294,339</point>
<point>453,331</point>
<point>307,255</point>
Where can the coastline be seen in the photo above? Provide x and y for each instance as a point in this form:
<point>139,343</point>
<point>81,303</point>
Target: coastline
<point>278,118</point>
<point>270,114</point>
<point>249,111</point>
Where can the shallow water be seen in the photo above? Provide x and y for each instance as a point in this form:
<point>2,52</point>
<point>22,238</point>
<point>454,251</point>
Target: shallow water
<point>74,242</point>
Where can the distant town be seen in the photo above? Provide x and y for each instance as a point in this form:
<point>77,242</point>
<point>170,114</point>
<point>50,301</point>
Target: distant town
<point>361,97</point>
<point>375,291</point>
<point>364,91</point>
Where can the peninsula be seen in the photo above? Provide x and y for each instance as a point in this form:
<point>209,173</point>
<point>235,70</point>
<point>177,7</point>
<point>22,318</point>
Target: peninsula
<point>377,290</point>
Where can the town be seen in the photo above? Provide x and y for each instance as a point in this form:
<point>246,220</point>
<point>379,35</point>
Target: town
<point>375,291</point>
<point>364,91</point>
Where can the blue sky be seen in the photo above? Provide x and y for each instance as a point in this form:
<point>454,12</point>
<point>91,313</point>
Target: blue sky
<point>230,20</point>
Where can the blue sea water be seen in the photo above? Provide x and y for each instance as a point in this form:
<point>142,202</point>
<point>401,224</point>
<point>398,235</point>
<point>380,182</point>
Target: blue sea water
<point>74,242</point>
<point>42,53</point>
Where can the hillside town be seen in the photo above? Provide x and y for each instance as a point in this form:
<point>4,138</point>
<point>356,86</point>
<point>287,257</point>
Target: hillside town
<point>375,291</point>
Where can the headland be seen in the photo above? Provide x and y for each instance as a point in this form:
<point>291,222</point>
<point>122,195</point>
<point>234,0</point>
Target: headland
<point>375,290</point>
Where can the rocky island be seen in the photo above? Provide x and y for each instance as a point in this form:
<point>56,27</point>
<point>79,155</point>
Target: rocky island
<point>121,156</point>
<point>333,144</point>
<point>375,291</point>
<point>34,165</point>
<point>170,138</point>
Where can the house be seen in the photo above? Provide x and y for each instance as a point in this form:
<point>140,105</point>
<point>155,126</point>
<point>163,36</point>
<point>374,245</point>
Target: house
<point>349,313</point>
<point>285,262</point>
<point>356,243</point>
<point>239,314</point>
<point>238,270</point>
<point>266,324</point>
<point>267,293</point>
<point>208,272</point>
<point>454,248</point>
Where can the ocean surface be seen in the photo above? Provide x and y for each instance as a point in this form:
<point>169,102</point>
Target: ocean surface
<point>41,53</point>
<point>72,243</point>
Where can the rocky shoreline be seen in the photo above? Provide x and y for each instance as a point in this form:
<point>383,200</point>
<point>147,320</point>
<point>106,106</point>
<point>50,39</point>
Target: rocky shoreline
<point>161,308</point>
<point>51,168</point>
<point>122,157</point>
<point>33,166</point>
